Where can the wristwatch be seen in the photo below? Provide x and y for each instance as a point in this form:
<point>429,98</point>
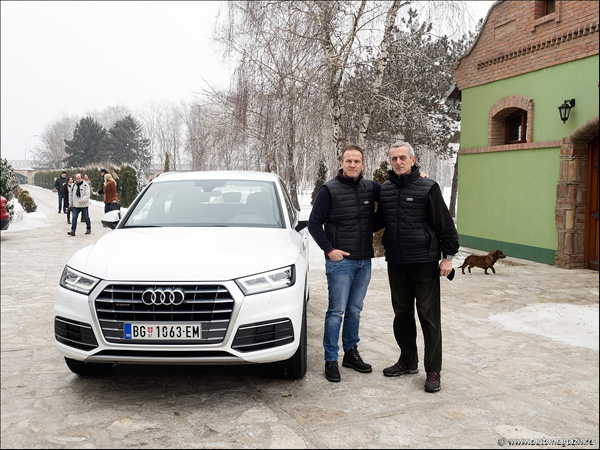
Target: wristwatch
<point>449,257</point>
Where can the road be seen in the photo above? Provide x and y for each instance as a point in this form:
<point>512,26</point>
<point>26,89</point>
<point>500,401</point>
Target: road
<point>496,382</point>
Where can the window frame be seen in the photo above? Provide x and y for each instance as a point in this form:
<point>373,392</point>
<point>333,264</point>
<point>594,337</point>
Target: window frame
<point>507,121</point>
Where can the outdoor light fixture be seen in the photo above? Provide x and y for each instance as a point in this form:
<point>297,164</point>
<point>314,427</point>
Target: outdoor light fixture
<point>565,109</point>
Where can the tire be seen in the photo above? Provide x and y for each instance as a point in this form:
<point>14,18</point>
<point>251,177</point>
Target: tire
<point>295,367</point>
<point>87,369</point>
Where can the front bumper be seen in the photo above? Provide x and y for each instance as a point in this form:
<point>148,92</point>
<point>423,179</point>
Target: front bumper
<point>258,328</point>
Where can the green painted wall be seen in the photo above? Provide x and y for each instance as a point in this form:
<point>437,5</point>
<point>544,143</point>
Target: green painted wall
<point>507,199</point>
<point>548,88</point>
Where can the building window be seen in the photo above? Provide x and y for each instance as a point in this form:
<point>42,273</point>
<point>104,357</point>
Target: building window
<point>515,127</point>
<point>549,7</point>
<point>511,121</point>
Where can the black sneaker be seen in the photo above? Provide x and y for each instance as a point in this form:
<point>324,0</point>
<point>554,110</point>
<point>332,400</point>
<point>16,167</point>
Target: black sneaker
<point>432,384</point>
<point>88,231</point>
<point>400,368</point>
<point>353,360</point>
<point>71,233</point>
<point>332,372</point>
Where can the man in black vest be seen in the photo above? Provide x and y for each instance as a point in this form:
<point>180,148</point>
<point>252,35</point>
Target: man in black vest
<point>418,231</point>
<point>345,207</point>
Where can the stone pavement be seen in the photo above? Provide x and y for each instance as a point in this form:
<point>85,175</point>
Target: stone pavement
<point>497,383</point>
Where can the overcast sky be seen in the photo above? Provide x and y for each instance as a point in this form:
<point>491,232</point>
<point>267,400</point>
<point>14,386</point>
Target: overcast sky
<point>75,57</point>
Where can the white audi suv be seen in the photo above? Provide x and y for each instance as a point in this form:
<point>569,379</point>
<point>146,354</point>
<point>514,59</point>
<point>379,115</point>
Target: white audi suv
<point>202,268</point>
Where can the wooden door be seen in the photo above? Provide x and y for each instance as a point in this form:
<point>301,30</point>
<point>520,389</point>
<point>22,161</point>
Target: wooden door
<point>591,220</point>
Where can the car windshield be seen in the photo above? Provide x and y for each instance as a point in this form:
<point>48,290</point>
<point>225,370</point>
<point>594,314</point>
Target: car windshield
<point>208,203</point>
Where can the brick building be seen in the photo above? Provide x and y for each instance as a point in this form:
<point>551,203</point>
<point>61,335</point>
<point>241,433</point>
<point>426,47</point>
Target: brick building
<point>528,179</point>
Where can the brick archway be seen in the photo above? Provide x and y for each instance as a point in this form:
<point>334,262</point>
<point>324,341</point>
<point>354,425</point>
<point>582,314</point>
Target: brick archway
<point>570,212</point>
<point>502,109</point>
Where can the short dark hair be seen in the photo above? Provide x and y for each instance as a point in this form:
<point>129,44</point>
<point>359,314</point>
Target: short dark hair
<point>63,172</point>
<point>103,170</point>
<point>353,147</point>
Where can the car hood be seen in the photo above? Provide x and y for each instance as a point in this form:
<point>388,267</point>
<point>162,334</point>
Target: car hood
<point>187,254</point>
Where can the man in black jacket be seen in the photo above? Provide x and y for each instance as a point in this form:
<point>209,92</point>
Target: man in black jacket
<point>418,231</point>
<point>59,185</point>
<point>345,207</point>
<point>102,173</point>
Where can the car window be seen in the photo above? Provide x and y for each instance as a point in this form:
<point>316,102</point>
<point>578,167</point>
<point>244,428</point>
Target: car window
<point>189,203</point>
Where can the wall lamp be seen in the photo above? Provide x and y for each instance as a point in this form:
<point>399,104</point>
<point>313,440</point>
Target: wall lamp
<point>565,109</point>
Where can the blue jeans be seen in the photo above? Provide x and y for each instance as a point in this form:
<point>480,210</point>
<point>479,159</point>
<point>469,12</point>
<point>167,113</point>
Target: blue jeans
<point>86,217</point>
<point>347,281</point>
<point>61,201</point>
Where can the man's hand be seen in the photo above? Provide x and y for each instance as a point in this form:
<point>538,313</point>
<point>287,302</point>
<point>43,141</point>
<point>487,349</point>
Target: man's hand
<point>445,267</point>
<point>423,175</point>
<point>337,255</point>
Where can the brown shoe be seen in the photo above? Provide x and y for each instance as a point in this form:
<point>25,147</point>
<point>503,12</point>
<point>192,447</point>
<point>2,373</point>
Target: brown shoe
<point>400,368</point>
<point>71,233</point>
<point>88,231</point>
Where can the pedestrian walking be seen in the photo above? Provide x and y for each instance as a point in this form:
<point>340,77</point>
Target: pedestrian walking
<point>79,199</point>
<point>68,208</point>
<point>59,185</point>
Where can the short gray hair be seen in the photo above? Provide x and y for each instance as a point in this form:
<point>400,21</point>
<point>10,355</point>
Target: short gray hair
<point>411,152</point>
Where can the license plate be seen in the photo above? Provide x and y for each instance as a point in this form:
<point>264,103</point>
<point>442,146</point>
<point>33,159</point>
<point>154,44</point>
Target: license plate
<point>163,332</point>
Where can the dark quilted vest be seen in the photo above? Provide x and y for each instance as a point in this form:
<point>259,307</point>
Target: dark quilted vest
<point>408,235</point>
<point>349,224</point>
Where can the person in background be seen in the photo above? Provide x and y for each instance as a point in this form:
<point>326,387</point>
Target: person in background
<point>68,186</point>
<point>86,180</point>
<point>420,240</point>
<point>59,185</point>
<point>79,199</point>
<point>102,173</point>
<point>110,192</point>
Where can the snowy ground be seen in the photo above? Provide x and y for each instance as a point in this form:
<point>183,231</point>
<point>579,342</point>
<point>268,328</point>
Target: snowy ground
<point>576,325</point>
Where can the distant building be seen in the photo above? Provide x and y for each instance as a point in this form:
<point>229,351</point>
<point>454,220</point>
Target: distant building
<point>527,181</point>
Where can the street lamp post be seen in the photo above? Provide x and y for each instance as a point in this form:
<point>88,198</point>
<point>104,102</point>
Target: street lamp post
<point>34,135</point>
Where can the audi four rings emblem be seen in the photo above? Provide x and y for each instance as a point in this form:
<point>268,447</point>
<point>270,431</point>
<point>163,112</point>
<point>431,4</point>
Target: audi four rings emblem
<point>163,297</point>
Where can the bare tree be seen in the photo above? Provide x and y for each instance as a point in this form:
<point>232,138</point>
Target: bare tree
<point>274,79</point>
<point>163,125</point>
<point>51,152</point>
<point>109,115</point>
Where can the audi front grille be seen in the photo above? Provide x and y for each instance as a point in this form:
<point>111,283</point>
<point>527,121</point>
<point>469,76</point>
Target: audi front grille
<point>210,305</point>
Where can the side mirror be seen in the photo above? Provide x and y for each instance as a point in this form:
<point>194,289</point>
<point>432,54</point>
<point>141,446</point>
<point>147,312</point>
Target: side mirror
<point>301,225</point>
<point>111,219</point>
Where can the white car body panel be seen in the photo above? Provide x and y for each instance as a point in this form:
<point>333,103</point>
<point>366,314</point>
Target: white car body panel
<point>185,256</point>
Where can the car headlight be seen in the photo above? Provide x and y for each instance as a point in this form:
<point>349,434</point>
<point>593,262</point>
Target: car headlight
<point>77,281</point>
<point>267,281</point>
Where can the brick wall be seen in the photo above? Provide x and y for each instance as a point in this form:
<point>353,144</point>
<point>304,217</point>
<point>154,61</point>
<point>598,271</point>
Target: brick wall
<point>516,38</point>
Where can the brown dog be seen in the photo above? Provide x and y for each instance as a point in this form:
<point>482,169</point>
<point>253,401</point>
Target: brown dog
<point>485,262</point>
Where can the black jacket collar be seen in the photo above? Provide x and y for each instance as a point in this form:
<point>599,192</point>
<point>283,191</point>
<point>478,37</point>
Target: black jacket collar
<point>347,180</point>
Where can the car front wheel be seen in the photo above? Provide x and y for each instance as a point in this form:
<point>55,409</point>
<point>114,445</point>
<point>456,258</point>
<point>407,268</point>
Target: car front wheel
<point>295,367</point>
<point>87,369</point>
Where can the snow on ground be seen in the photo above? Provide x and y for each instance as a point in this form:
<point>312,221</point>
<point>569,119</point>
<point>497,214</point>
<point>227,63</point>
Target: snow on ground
<point>562,322</point>
<point>575,325</point>
<point>30,221</point>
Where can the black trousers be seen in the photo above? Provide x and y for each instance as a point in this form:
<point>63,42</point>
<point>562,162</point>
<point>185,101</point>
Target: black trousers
<point>410,282</point>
